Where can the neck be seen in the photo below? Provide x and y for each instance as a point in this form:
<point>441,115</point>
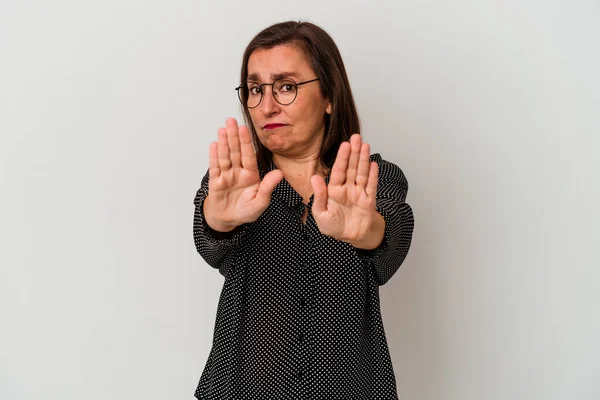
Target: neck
<point>300,169</point>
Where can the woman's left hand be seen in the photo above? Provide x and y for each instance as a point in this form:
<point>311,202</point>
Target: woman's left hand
<point>345,209</point>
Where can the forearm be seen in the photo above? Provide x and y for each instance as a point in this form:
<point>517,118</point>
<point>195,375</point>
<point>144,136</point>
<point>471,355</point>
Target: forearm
<point>398,236</point>
<point>218,249</point>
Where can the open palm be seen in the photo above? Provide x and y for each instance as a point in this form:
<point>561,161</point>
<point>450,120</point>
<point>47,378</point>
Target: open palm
<point>345,209</point>
<point>236,193</point>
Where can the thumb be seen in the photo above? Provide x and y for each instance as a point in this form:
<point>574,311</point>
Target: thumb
<point>320,191</point>
<point>267,185</point>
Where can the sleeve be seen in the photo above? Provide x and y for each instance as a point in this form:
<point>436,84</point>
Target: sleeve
<point>218,249</point>
<point>392,189</point>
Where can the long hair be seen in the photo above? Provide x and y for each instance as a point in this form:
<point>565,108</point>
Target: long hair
<point>326,61</point>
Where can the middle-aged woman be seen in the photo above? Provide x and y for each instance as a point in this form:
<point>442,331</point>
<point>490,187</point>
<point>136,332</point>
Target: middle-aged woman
<point>305,225</point>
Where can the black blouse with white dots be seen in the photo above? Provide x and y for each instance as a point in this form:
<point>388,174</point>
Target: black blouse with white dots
<point>299,314</point>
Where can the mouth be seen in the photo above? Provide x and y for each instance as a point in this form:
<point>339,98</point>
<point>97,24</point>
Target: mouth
<point>273,126</point>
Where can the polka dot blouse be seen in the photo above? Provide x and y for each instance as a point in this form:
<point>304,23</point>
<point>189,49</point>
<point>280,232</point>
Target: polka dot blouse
<point>299,314</point>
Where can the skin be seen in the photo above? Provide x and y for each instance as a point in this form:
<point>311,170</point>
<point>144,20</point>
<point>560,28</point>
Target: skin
<point>295,146</point>
<point>344,209</point>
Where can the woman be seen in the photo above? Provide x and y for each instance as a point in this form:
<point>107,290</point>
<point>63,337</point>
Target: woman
<point>304,230</point>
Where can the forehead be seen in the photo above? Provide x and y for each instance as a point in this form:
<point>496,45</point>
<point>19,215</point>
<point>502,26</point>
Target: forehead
<point>285,60</point>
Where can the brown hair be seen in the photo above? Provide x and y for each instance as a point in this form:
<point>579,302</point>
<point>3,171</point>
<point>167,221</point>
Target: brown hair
<point>326,61</point>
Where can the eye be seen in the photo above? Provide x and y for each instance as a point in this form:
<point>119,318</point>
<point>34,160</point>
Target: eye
<point>286,87</point>
<point>254,90</point>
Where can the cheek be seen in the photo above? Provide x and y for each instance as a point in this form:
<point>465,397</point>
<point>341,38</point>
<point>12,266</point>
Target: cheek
<point>313,115</point>
<point>307,113</point>
<point>255,119</point>
<point>252,112</point>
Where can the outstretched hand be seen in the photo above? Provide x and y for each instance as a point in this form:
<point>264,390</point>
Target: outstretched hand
<point>346,208</point>
<point>236,193</point>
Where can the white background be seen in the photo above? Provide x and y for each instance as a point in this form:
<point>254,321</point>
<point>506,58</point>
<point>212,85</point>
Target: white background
<point>107,109</point>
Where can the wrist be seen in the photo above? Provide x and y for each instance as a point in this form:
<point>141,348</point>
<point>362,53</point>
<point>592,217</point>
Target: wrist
<point>373,236</point>
<point>215,225</point>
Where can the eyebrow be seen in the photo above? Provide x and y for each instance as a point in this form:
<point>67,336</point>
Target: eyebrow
<point>274,77</point>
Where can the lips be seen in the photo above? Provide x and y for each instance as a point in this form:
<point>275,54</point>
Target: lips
<point>273,126</point>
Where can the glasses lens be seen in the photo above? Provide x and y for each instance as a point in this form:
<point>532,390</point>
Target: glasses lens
<point>250,94</point>
<point>284,91</point>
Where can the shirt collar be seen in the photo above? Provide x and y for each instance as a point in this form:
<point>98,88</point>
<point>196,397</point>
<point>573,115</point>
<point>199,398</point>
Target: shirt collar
<point>286,193</point>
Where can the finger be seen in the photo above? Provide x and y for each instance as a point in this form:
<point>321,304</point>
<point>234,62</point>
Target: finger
<point>213,165</point>
<point>267,185</point>
<point>248,153</point>
<point>355,143</point>
<point>362,172</point>
<point>320,194</point>
<point>373,180</point>
<point>233,139</point>
<point>223,150</point>
<point>338,171</point>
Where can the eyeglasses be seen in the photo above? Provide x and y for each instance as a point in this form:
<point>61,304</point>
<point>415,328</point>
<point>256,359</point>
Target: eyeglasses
<point>284,91</point>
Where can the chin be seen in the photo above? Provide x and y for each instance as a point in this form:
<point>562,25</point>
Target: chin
<point>277,149</point>
<point>273,142</point>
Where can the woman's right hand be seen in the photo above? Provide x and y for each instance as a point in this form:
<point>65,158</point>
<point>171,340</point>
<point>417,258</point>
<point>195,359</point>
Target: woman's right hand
<point>236,195</point>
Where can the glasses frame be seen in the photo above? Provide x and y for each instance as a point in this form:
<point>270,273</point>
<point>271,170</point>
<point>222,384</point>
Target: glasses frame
<point>262,92</point>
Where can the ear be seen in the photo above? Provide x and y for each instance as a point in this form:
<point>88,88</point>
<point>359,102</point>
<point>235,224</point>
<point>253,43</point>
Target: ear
<point>328,108</point>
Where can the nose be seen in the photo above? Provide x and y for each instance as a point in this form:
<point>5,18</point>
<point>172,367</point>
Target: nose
<point>268,105</point>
